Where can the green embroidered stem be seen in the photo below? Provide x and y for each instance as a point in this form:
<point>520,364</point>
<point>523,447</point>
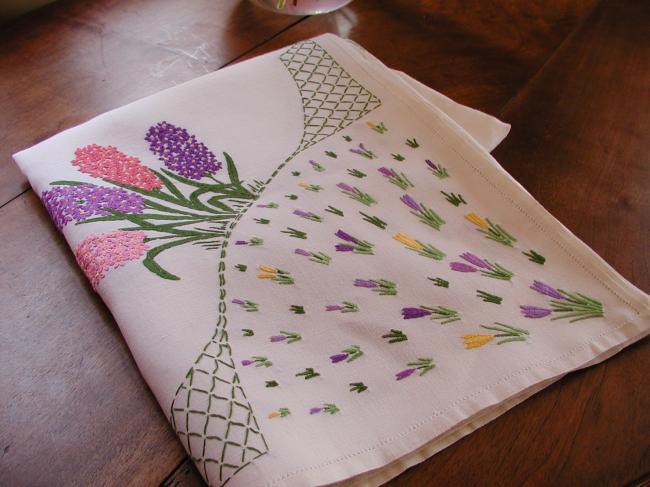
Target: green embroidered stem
<point>335,211</point>
<point>329,153</point>
<point>488,298</point>
<point>535,257</point>
<point>444,315</point>
<point>262,221</point>
<point>374,220</point>
<point>497,271</point>
<point>398,157</point>
<point>429,217</point>
<point>292,232</point>
<point>576,306</point>
<point>510,333</point>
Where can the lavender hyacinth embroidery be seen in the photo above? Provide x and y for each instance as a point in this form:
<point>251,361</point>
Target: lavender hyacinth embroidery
<point>484,266</point>
<point>380,286</point>
<point>80,202</point>
<point>356,194</point>
<point>345,307</point>
<point>398,179</point>
<point>181,152</point>
<point>421,365</point>
<point>246,305</point>
<point>328,408</point>
<point>353,244</point>
<point>424,214</point>
<point>439,171</point>
<point>308,215</point>
<point>564,305</point>
<point>440,313</point>
<point>318,257</point>
<point>348,354</point>
<point>286,337</point>
<point>362,151</point>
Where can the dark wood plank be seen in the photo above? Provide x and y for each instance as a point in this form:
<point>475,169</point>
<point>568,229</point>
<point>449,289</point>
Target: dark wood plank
<point>480,53</point>
<point>580,144</point>
<point>72,60</point>
<point>74,407</point>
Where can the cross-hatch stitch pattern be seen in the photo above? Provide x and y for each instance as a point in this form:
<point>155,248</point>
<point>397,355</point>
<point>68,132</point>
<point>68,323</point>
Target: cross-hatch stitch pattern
<point>210,412</point>
<point>331,99</point>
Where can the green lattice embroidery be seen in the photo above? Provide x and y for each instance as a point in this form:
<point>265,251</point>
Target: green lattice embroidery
<point>210,412</point>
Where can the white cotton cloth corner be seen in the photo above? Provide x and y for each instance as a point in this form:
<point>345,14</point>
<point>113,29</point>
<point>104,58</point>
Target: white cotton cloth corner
<point>320,270</point>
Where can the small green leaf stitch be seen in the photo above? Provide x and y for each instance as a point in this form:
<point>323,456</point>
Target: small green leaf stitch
<point>347,138</point>
<point>271,383</point>
<point>248,332</point>
<point>438,281</point>
<point>395,336</point>
<point>262,221</point>
<point>331,154</point>
<point>358,387</point>
<point>295,173</point>
<point>308,373</point>
<point>412,143</point>
<point>398,157</point>
<point>535,257</point>
<point>356,173</point>
<point>291,196</point>
<point>296,309</point>
<point>241,267</point>
<point>454,199</point>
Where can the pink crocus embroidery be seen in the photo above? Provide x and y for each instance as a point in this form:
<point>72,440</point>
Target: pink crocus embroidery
<point>112,165</point>
<point>97,254</point>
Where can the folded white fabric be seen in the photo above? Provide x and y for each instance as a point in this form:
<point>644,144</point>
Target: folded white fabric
<point>320,270</point>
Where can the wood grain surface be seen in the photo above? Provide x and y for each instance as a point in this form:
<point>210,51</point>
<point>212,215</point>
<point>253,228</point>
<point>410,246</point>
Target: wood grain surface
<point>571,76</point>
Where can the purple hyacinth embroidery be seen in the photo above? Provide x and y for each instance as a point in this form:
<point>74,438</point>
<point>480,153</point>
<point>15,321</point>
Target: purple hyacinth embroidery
<point>484,266</point>
<point>573,306</point>
<point>353,244</point>
<point>80,202</point>
<point>181,152</point>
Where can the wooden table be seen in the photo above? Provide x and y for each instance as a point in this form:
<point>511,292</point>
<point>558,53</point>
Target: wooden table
<point>572,76</point>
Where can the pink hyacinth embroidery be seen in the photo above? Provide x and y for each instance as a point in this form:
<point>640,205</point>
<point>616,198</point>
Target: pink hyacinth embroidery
<point>97,254</point>
<point>112,165</point>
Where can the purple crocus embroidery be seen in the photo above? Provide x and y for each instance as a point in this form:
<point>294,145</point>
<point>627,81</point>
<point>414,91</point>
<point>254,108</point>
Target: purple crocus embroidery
<point>333,307</point>
<point>404,374</point>
<point>80,202</point>
<point>318,257</point>
<point>542,288</point>
<point>365,283</point>
<point>462,267</point>
<point>534,311</point>
<point>302,252</point>
<point>339,357</point>
<point>398,179</point>
<point>437,169</point>
<point>308,215</point>
<point>411,203</point>
<point>473,259</point>
<point>387,172</point>
<point>247,362</point>
<point>181,152</point>
<point>355,245</point>
<point>241,242</point>
<point>278,338</point>
<point>410,313</point>
<point>315,410</point>
<point>362,151</point>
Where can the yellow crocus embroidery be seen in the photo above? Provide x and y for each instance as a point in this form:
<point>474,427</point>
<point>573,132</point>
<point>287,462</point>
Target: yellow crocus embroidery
<point>477,220</point>
<point>268,268</point>
<point>476,340</point>
<point>408,241</point>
